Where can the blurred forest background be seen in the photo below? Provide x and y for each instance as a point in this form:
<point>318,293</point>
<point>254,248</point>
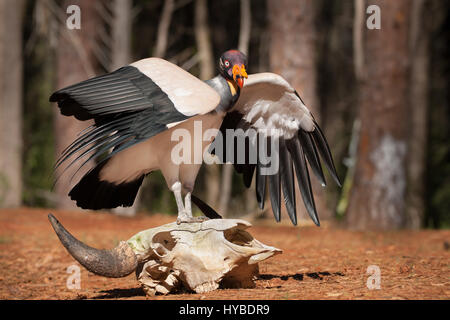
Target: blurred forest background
<point>381,96</point>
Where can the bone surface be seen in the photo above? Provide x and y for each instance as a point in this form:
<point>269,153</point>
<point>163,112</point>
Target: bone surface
<point>198,257</point>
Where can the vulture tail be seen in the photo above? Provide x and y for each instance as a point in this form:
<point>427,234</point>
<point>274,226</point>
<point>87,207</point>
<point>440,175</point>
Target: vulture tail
<point>92,193</point>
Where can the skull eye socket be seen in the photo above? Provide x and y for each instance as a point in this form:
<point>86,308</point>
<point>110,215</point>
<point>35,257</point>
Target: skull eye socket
<point>227,63</point>
<point>238,237</point>
<point>165,240</point>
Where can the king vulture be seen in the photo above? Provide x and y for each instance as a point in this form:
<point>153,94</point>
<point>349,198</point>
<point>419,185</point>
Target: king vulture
<point>137,108</point>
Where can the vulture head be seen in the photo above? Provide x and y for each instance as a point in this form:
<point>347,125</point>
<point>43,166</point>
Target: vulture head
<point>233,65</point>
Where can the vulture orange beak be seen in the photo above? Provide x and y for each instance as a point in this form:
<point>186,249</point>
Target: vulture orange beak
<point>239,73</point>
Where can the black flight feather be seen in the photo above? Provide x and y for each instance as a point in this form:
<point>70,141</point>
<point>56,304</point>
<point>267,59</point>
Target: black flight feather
<point>274,182</point>
<point>287,181</point>
<point>275,195</point>
<point>260,186</point>
<point>324,150</point>
<point>248,174</point>
<point>303,180</point>
<point>311,154</point>
<point>260,180</point>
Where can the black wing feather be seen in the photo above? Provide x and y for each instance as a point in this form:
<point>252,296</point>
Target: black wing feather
<point>303,180</point>
<point>292,157</point>
<point>275,195</point>
<point>274,183</point>
<point>287,181</point>
<point>127,106</point>
<point>260,186</point>
<point>248,174</point>
<point>277,108</point>
<point>324,150</point>
<point>311,154</point>
<point>260,179</point>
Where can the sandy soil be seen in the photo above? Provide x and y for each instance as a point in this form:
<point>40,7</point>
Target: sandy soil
<point>317,263</point>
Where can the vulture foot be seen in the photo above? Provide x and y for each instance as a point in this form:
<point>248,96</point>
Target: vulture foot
<point>187,219</point>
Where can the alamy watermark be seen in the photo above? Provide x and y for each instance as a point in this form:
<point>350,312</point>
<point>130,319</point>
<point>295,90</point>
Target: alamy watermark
<point>374,20</point>
<point>374,280</point>
<point>73,21</point>
<point>241,147</point>
<point>74,280</point>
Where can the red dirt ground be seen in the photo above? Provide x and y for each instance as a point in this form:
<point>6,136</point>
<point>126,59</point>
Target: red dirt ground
<point>317,263</point>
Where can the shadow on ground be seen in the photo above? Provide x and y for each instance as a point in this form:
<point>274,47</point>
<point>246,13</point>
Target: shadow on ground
<point>121,293</point>
<point>299,276</point>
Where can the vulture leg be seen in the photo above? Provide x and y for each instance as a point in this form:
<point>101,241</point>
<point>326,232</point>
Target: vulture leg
<point>188,209</point>
<point>185,211</point>
<point>188,205</point>
<point>176,189</point>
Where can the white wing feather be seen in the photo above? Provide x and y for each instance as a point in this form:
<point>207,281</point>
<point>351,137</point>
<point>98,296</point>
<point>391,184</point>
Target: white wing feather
<point>268,102</point>
<point>190,95</point>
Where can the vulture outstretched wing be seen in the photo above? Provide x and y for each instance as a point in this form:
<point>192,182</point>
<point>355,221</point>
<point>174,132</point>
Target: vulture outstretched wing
<point>128,106</point>
<point>131,105</point>
<point>270,106</point>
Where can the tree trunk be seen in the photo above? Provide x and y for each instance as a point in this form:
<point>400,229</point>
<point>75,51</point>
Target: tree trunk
<point>438,151</point>
<point>293,55</point>
<point>206,60</point>
<point>245,26</point>
<point>121,56</point>
<point>227,169</point>
<point>163,28</point>
<point>419,52</point>
<point>335,77</point>
<point>203,38</point>
<point>377,198</point>
<point>11,67</point>
<point>244,44</point>
<point>75,63</point>
<point>121,34</point>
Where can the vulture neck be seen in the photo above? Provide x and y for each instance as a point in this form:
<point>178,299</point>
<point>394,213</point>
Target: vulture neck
<point>228,90</point>
<point>234,89</point>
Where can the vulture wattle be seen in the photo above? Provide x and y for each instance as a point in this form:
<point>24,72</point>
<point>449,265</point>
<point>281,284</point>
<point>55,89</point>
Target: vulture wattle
<point>138,109</point>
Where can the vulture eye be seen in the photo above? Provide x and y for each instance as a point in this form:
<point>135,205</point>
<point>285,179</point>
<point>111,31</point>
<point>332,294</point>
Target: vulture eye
<point>227,63</point>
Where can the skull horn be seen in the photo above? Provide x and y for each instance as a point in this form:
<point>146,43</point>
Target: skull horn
<point>114,263</point>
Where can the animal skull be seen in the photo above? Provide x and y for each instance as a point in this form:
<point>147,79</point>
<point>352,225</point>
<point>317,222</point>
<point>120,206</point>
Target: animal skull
<point>198,256</point>
<point>195,256</point>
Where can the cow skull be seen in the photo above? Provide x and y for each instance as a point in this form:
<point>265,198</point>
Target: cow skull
<point>198,256</point>
<point>193,256</point>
